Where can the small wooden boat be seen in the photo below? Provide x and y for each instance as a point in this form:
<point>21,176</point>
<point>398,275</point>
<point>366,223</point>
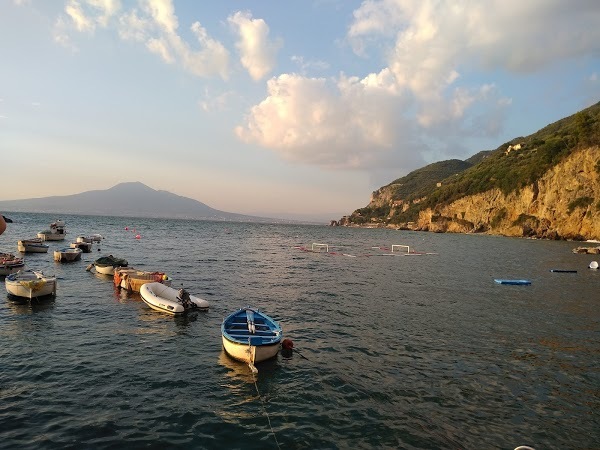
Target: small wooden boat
<point>132,280</point>
<point>85,247</point>
<point>56,232</point>
<point>67,254</point>
<point>34,245</point>
<point>107,264</point>
<point>515,282</point>
<point>167,299</point>
<point>30,284</point>
<point>251,336</point>
<point>9,263</point>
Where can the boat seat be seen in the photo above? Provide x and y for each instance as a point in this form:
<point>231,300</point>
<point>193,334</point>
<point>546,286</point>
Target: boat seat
<point>247,335</point>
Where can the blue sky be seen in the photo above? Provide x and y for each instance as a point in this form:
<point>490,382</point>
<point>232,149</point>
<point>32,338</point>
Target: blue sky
<point>280,109</point>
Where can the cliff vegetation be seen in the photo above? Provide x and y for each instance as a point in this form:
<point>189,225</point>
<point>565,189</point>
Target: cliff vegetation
<point>544,185</point>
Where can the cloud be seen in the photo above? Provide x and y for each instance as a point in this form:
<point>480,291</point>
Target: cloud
<point>341,123</point>
<point>438,85</point>
<point>307,65</point>
<point>212,103</point>
<point>154,24</point>
<point>257,52</point>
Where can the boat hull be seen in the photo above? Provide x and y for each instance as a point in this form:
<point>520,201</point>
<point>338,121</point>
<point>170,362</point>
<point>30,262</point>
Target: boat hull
<point>30,285</point>
<point>250,354</point>
<point>132,280</point>
<point>7,269</point>
<point>32,247</point>
<point>9,264</point>
<point>67,255</point>
<point>85,247</point>
<point>104,270</point>
<point>51,236</point>
<point>164,298</point>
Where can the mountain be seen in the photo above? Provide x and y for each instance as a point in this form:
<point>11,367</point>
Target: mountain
<point>132,199</point>
<point>544,185</point>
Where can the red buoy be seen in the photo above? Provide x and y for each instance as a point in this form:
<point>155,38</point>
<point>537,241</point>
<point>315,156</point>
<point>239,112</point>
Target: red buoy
<point>287,344</point>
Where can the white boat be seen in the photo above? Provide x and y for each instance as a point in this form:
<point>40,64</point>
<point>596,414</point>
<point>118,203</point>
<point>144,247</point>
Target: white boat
<point>9,263</point>
<point>106,264</point>
<point>85,247</point>
<point>132,279</point>
<point>34,245</point>
<point>67,254</point>
<point>170,300</point>
<point>56,232</point>
<point>89,239</point>
<point>30,284</point>
<point>251,336</point>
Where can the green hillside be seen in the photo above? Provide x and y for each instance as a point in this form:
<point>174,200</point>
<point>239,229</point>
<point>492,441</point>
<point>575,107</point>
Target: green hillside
<point>422,181</point>
<point>513,165</point>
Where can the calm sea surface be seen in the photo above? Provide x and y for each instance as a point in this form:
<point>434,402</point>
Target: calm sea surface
<point>398,352</point>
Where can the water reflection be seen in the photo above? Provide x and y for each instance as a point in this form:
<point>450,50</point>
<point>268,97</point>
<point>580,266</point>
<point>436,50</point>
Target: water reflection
<point>25,306</point>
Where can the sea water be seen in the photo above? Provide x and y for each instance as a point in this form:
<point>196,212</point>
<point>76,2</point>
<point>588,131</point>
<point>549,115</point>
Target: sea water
<point>392,351</point>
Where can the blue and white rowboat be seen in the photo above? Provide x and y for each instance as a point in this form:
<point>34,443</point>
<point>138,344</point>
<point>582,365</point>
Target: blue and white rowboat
<point>251,336</point>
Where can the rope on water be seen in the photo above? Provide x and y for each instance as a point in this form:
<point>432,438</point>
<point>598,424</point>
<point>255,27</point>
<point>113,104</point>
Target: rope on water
<point>265,410</point>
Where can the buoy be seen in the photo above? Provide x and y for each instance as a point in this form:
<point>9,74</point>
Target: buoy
<point>137,236</point>
<point>287,348</point>
<point>593,265</point>
<point>126,228</point>
<point>165,277</point>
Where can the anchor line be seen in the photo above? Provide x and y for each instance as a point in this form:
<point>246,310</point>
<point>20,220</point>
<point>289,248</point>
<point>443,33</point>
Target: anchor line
<point>266,412</point>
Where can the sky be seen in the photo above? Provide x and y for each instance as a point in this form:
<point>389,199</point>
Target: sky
<point>279,109</point>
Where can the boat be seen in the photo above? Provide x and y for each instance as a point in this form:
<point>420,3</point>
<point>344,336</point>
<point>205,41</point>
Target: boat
<point>34,245</point>
<point>30,284</point>
<point>516,282</point>
<point>132,279</point>
<point>85,247</point>
<point>107,264</point>
<point>563,271</point>
<point>170,300</point>
<point>89,239</point>
<point>251,336</point>
<point>56,232</point>
<point>67,254</point>
<point>9,263</point>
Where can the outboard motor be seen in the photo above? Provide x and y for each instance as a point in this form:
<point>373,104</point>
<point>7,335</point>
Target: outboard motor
<point>184,296</point>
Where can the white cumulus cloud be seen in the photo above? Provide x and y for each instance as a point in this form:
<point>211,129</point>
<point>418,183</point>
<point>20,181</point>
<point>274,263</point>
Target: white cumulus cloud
<point>257,52</point>
<point>336,124</point>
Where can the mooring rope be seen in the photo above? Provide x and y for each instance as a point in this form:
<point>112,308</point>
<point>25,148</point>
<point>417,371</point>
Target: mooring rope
<point>266,413</point>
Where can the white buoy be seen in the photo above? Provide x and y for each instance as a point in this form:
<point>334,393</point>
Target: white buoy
<point>593,265</point>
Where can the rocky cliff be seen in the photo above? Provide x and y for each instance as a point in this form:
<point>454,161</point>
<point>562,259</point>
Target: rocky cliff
<point>563,204</point>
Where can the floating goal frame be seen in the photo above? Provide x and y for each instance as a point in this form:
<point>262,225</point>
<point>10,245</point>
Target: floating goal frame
<point>401,246</point>
<point>318,247</point>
